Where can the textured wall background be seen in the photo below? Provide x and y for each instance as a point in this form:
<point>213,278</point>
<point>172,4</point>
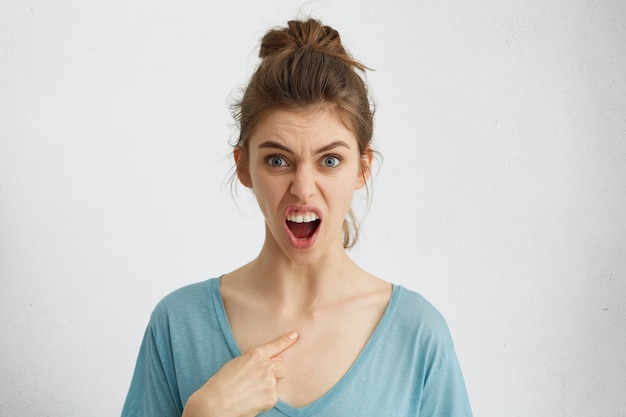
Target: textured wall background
<point>501,197</point>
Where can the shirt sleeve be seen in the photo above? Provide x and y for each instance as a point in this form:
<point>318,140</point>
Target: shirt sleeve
<point>444,392</point>
<point>154,389</point>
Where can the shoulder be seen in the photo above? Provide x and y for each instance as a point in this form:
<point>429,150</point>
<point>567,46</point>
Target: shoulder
<point>415,308</point>
<point>416,318</point>
<point>190,300</point>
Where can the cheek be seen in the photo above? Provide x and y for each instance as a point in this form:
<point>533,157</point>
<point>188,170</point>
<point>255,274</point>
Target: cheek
<point>268,194</point>
<point>340,192</point>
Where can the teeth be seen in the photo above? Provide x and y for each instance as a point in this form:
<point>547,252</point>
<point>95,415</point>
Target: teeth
<point>302,217</point>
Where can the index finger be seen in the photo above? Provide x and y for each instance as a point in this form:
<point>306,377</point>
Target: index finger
<point>279,345</point>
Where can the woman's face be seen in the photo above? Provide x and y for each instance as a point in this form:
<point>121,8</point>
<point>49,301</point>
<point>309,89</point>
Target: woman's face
<point>303,167</point>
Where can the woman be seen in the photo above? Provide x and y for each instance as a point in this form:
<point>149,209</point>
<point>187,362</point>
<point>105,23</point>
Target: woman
<point>300,330</point>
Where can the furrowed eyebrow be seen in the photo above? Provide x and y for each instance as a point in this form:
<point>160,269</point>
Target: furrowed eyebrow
<point>330,146</point>
<point>275,145</point>
<point>333,145</point>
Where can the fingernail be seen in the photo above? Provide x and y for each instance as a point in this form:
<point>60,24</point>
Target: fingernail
<point>293,335</point>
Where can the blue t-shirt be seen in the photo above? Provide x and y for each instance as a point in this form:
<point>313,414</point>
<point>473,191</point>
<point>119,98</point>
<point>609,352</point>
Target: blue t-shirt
<point>407,368</point>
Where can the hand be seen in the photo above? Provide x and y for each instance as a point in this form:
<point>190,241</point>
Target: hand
<point>245,386</point>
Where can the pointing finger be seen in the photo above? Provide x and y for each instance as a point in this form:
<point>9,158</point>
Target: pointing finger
<point>279,345</point>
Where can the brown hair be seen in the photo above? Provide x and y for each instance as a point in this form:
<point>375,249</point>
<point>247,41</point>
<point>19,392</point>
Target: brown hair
<point>305,66</point>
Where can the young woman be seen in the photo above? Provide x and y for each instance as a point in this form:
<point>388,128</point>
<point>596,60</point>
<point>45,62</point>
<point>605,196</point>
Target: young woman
<point>301,330</point>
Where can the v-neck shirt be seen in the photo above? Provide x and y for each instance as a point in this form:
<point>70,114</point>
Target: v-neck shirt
<point>408,366</point>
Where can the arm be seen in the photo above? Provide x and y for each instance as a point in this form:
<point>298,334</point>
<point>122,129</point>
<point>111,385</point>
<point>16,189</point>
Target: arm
<point>444,392</point>
<point>153,389</point>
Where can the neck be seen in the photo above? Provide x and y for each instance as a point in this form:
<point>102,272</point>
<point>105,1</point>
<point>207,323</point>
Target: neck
<point>295,285</point>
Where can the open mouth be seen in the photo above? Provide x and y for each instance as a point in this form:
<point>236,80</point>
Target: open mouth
<point>303,225</point>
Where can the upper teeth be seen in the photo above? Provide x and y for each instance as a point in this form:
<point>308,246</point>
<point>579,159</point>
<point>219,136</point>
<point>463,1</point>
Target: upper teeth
<point>302,217</point>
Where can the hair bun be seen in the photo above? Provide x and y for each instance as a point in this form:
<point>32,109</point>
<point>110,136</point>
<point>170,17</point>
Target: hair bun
<point>309,34</point>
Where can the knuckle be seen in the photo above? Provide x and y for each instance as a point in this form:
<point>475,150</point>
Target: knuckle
<point>270,400</point>
<point>267,367</point>
<point>255,354</point>
<point>264,373</point>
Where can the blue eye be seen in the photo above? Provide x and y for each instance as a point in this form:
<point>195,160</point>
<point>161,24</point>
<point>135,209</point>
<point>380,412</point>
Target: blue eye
<point>330,161</point>
<point>276,161</point>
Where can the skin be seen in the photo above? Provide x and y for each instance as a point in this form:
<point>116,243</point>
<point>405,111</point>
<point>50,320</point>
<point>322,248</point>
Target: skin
<point>245,386</point>
<point>295,159</point>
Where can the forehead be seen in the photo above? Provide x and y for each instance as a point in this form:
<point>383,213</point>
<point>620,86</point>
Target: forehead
<point>302,129</point>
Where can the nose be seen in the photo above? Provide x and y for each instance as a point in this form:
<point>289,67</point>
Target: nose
<point>303,185</point>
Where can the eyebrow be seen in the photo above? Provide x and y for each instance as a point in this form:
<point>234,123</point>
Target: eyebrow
<point>276,145</point>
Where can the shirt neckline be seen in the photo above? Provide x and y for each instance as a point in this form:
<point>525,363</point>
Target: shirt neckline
<point>321,402</point>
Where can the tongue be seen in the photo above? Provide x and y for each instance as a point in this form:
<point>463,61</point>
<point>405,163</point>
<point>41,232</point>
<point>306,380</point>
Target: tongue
<point>302,230</point>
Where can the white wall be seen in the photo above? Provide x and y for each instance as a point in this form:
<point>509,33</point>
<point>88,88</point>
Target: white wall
<point>501,197</point>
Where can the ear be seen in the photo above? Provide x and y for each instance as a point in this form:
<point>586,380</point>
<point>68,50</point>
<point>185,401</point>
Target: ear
<point>241,165</point>
<point>365,170</point>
